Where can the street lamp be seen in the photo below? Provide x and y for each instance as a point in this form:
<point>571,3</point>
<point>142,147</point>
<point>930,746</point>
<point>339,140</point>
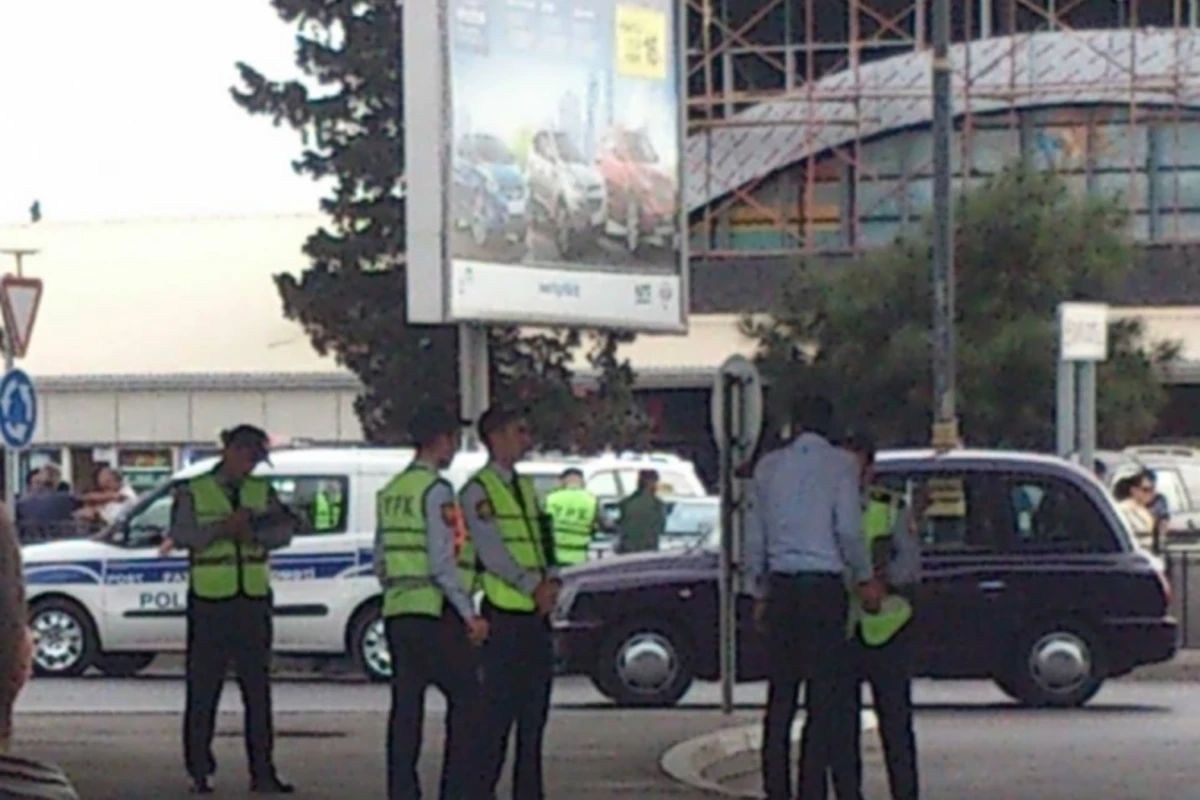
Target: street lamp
<point>945,412</point>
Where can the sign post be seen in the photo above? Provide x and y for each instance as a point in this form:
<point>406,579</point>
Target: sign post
<point>737,420</point>
<point>1083,342</point>
<point>20,298</point>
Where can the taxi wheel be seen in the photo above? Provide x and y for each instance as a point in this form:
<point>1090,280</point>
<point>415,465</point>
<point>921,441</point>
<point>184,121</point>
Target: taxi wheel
<point>1056,666</point>
<point>645,663</point>
<point>123,665</point>
<point>368,645</point>
<point>64,638</point>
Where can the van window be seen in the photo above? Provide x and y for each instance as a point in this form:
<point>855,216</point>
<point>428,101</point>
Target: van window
<point>1050,515</point>
<point>320,502</point>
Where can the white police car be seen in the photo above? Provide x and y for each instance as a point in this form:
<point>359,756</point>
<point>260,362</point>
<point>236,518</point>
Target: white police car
<point>114,602</point>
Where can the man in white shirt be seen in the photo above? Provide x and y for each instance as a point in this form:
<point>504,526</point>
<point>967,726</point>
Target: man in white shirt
<point>803,537</point>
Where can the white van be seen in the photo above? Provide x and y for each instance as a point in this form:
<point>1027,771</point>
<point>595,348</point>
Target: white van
<point>113,602</point>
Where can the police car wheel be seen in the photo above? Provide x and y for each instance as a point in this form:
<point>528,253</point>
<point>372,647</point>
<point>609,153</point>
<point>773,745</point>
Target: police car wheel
<point>645,663</point>
<point>123,665</point>
<point>1056,666</point>
<point>368,645</point>
<point>64,638</point>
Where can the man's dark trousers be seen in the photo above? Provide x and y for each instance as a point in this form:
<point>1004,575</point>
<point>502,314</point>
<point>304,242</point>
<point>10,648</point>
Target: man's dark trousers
<point>518,669</point>
<point>806,643</point>
<point>888,670</point>
<point>218,632</point>
<point>433,651</point>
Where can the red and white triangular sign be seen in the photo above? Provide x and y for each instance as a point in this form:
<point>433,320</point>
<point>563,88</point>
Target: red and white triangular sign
<point>19,300</point>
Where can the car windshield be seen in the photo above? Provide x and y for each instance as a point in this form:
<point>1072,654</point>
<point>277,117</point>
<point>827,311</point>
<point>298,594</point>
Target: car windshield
<point>639,149</point>
<point>491,150</point>
<point>567,151</point>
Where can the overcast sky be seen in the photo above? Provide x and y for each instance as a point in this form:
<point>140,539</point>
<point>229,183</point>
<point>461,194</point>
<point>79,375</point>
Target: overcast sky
<point>120,110</point>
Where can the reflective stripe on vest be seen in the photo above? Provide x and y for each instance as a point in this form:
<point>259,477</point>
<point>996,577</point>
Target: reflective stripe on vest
<point>326,512</point>
<point>574,514</point>
<point>518,524</point>
<point>408,583</point>
<point>225,568</point>
<point>879,519</point>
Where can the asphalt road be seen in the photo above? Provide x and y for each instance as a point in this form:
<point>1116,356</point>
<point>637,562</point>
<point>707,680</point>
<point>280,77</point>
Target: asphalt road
<point>1136,741</point>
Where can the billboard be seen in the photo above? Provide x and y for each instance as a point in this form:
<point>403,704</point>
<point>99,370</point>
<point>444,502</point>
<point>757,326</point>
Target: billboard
<point>544,164</point>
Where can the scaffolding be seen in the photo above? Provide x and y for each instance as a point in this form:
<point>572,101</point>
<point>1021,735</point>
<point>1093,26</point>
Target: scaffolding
<point>785,95</point>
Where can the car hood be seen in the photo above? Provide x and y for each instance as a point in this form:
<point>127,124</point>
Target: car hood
<point>636,567</point>
<point>584,174</point>
<point>507,175</point>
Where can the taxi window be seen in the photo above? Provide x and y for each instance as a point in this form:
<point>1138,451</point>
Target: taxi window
<point>1050,515</point>
<point>958,512</point>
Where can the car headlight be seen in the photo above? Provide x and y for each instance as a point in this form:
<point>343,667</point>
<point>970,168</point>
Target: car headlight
<point>566,599</point>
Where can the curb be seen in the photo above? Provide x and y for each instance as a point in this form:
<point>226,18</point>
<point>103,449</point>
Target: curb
<point>693,762</point>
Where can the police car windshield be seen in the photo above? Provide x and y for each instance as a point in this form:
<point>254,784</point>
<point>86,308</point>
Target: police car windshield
<point>152,513</point>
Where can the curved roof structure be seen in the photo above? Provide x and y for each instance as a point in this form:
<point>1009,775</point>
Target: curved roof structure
<point>1147,67</point>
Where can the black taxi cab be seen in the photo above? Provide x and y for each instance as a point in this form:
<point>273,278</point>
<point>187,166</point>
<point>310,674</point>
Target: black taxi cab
<point>1030,578</point>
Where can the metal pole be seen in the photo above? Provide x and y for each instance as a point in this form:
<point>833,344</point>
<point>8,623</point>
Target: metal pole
<point>1086,402</point>
<point>945,411</point>
<point>11,454</point>
<point>1068,441</point>
<point>472,378</point>
<point>725,599</point>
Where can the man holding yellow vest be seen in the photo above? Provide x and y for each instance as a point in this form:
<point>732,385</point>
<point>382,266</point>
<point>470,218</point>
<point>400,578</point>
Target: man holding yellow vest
<point>229,520</point>
<point>516,551</point>
<point>883,640</point>
<point>429,613</point>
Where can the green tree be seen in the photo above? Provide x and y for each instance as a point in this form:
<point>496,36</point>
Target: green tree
<point>348,109</point>
<point>612,417</point>
<point>861,332</point>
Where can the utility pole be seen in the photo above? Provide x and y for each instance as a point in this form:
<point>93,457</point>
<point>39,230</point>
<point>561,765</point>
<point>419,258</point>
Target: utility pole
<point>945,411</point>
<point>12,463</point>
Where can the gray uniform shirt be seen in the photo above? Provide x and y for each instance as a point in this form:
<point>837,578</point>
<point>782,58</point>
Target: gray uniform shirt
<point>904,568</point>
<point>489,542</point>
<point>272,530</point>
<point>439,542</point>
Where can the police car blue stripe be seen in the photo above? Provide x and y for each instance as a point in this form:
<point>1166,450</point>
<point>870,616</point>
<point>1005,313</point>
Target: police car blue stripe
<point>61,574</point>
<point>318,566</point>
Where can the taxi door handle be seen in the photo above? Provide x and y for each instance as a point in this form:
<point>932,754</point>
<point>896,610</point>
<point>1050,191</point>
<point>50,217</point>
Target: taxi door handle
<point>992,586</point>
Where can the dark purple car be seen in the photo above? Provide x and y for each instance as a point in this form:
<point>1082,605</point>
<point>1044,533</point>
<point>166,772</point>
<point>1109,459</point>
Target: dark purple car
<point>1030,579</point>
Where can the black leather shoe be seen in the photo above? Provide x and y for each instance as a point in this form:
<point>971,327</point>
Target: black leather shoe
<point>202,785</point>
<point>272,784</point>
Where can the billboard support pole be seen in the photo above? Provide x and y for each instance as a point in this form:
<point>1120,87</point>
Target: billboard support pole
<point>473,371</point>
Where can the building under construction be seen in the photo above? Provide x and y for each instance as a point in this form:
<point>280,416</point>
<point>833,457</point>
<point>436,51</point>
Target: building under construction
<point>809,119</point>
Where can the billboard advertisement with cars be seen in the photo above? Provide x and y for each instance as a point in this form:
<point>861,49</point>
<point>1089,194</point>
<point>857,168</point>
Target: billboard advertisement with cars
<point>556,128</point>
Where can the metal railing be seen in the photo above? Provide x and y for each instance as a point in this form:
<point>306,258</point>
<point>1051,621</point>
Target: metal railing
<point>1183,574</point>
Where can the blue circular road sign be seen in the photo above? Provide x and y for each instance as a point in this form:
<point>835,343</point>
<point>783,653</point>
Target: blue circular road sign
<point>18,409</point>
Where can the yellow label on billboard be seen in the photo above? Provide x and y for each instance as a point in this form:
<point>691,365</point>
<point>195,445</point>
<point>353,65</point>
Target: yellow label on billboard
<point>642,35</point>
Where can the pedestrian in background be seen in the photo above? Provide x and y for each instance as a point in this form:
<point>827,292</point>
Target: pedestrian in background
<point>516,553</point>
<point>229,520</point>
<point>803,538</point>
<point>882,642</point>
<point>575,513</point>
<point>642,518</point>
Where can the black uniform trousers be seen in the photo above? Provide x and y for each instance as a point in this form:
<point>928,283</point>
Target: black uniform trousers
<point>518,670</point>
<point>806,643</point>
<point>433,651</point>
<point>218,632</point>
<point>888,670</point>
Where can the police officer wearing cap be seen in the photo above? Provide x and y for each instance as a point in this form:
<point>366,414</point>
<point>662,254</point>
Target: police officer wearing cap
<point>515,545</point>
<point>429,613</point>
<point>229,520</point>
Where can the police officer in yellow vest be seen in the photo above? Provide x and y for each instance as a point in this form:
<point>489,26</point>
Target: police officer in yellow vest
<point>429,613</point>
<point>229,520</point>
<point>883,645</point>
<point>516,552</point>
<point>575,512</point>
